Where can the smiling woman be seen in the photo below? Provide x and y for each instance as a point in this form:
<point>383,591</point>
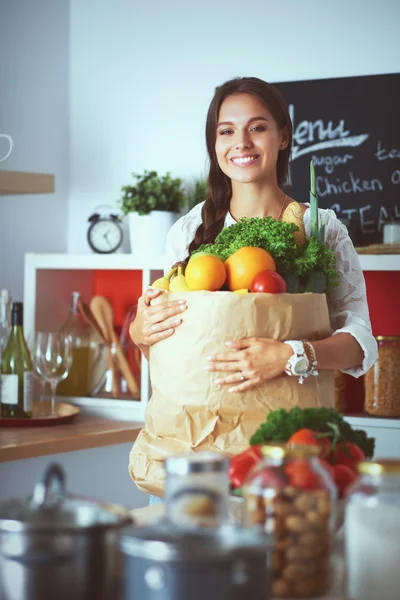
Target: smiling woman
<point>249,140</point>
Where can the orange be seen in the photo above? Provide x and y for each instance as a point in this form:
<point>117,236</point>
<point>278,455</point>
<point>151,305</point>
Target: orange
<point>207,272</point>
<point>244,264</point>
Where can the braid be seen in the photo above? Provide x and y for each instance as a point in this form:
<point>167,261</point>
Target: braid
<point>214,210</point>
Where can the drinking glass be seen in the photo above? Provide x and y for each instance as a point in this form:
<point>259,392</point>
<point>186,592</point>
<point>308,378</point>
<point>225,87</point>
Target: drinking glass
<point>52,359</point>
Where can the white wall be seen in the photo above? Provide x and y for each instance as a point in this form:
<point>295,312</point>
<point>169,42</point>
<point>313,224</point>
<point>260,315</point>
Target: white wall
<point>34,82</point>
<point>143,73</point>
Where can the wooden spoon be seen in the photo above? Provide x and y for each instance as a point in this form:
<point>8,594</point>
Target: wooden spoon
<point>104,314</point>
<point>88,315</point>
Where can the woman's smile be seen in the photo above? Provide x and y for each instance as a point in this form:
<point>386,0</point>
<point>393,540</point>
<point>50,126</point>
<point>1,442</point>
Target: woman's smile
<point>244,161</point>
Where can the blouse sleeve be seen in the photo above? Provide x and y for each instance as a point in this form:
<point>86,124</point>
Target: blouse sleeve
<point>348,307</point>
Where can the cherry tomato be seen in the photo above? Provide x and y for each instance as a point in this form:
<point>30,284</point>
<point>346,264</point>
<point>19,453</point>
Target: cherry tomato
<point>348,454</point>
<point>307,437</point>
<point>343,476</point>
<point>302,475</point>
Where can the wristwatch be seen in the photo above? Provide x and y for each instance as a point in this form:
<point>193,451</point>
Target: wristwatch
<point>298,363</point>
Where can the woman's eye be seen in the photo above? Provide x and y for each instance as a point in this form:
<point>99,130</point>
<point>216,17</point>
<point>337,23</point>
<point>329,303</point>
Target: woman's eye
<point>225,131</point>
<point>258,128</point>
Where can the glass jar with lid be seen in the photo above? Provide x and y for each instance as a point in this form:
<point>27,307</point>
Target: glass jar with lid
<point>197,489</point>
<point>291,496</point>
<point>382,381</point>
<point>372,532</point>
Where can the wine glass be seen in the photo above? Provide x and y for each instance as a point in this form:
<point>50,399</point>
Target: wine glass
<point>52,359</point>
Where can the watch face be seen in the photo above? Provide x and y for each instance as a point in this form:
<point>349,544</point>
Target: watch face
<point>105,236</point>
<point>300,366</point>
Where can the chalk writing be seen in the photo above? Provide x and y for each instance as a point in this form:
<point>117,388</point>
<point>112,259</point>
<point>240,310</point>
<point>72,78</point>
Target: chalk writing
<point>330,162</point>
<point>325,187</point>
<point>323,136</point>
<point>382,154</point>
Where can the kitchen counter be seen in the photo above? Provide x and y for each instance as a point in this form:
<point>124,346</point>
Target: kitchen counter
<point>88,430</point>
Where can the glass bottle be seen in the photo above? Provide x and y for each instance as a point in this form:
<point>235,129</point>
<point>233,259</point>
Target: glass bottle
<point>16,370</point>
<point>197,489</point>
<point>77,382</point>
<point>372,532</point>
<point>382,381</point>
<point>291,496</point>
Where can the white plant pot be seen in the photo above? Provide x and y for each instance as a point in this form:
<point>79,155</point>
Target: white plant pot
<point>148,233</point>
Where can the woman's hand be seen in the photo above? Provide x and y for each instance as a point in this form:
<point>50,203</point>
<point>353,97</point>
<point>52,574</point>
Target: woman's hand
<point>155,323</point>
<point>251,361</point>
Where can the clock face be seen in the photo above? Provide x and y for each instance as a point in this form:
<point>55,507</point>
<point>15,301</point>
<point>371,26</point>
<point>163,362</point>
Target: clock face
<point>105,236</point>
<point>300,366</point>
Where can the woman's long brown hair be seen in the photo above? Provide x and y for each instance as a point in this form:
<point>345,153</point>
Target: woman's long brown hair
<point>216,205</point>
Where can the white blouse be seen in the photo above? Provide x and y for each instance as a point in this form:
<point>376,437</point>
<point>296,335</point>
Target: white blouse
<point>347,302</point>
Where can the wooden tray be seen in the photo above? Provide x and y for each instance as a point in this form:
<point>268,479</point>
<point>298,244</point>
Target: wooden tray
<point>65,413</point>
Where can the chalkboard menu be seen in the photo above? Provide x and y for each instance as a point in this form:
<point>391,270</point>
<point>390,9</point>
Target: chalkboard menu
<point>350,127</point>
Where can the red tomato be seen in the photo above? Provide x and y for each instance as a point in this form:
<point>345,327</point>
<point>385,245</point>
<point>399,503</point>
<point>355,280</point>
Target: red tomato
<point>343,476</point>
<point>301,475</point>
<point>307,437</point>
<point>241,464</point>
<point>268,282</point>
<point>304,437</point>
<point>348,454</point>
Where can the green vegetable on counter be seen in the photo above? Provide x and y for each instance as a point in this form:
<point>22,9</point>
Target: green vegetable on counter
<point>281,424</point>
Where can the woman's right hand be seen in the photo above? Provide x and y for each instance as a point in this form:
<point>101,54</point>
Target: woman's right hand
<point>155,323</point>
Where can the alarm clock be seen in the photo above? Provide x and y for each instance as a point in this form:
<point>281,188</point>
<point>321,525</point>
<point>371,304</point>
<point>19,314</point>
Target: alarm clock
<point>105,234</point>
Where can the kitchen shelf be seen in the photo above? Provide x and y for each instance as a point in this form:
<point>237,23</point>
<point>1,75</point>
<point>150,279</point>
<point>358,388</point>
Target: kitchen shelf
<point>380,262</point>
<point>20,182</point>
<point>363,420</point>
<point>369,262</point>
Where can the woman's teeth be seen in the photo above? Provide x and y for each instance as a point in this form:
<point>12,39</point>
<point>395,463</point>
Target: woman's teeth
<point>244,161</point>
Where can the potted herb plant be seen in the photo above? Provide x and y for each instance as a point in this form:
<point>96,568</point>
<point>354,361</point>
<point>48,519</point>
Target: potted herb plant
<point>152,204</point>
<point>197,192</point>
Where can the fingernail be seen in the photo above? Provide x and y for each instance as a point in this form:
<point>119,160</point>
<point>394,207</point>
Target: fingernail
<point>181,301</point>
<point>231,390</point>
<point>170,331</point>
<point>177,321</point>
<point>209,358</point>
<point>217,382</point>
<point>230,344</point>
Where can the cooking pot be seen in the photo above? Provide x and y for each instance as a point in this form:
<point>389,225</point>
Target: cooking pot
<point>164,562</point>
<point>56,546</point>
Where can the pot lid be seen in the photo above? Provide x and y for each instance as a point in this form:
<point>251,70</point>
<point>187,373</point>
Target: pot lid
<point>51,508</point>
<point>165,542</point>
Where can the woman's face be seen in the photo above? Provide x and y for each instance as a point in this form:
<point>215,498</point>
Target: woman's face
<point>248,140</point>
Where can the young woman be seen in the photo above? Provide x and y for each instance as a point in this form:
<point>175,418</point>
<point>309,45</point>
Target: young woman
<point>249,137</point>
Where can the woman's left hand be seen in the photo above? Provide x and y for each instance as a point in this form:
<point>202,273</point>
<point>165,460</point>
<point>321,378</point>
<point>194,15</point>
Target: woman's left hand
<point>251,361</point>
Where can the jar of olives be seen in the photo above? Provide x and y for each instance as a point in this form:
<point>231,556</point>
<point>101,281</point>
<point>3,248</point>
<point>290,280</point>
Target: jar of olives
<point>291,495</point>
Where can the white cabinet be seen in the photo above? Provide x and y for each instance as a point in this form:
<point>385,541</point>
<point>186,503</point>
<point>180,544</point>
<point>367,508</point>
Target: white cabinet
<point>49,280</point>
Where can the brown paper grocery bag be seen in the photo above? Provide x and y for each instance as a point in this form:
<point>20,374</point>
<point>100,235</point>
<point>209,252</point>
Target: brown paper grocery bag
<point>186,412</point>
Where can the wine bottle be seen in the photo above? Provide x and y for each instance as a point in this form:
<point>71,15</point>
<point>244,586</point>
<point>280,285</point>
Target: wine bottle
<point>16,370</point>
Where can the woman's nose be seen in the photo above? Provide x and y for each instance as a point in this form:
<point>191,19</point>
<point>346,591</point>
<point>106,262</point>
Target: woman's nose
<point>243,141</point>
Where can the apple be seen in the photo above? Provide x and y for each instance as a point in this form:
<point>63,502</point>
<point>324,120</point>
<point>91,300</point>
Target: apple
<point>268,282</point>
